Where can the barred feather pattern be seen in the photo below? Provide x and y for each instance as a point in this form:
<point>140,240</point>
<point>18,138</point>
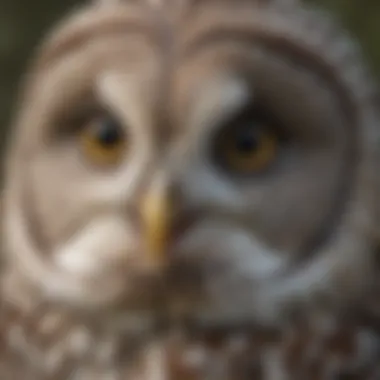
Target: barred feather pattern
<point>50,344</point>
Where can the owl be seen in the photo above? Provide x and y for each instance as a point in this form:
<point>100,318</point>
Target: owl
<point>191,192</point>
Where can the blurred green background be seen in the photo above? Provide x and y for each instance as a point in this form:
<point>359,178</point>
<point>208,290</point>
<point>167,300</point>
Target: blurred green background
<point>23,23</point>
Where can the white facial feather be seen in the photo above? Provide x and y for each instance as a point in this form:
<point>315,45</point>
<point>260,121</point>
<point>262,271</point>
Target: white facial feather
<point>102,242</point>
<point>215,101</point>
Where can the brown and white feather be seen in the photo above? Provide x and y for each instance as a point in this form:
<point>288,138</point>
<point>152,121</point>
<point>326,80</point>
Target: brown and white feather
<point>276,277</point>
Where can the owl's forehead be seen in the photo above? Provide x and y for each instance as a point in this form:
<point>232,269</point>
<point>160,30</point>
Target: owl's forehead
<point>173,30</point>
<point>164,25</point>
<point>149,56</point>
<point>160,58</point>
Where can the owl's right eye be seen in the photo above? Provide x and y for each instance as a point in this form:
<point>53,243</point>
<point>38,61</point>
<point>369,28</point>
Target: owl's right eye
<point>103,141</point>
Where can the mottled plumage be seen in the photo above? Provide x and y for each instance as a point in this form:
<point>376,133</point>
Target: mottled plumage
<point>191,192</point>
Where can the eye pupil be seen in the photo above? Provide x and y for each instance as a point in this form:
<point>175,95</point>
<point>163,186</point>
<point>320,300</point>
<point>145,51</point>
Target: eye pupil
<point>246,141</point>
<point>108,133</point>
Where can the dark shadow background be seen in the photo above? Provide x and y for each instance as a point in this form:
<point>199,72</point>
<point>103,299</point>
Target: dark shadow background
<point>24,22</point>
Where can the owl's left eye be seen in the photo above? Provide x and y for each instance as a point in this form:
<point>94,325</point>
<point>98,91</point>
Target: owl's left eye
<point>103,141</point>
<point>247,146</point>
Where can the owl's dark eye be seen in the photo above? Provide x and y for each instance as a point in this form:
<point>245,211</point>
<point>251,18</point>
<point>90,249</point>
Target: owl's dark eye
<point>103,141</point>
<point>246,146</point>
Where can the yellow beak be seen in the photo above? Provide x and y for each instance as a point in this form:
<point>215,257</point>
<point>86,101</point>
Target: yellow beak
<point>157,217</point>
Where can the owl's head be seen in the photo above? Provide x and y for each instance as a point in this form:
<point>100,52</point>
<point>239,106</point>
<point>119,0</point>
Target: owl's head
<point>217,158</point>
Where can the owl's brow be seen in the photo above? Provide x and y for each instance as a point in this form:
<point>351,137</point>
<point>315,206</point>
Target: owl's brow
<point>77,33</point>
<point>248,37</point>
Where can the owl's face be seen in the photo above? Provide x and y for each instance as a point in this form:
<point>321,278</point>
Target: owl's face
<point>218,168</point>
